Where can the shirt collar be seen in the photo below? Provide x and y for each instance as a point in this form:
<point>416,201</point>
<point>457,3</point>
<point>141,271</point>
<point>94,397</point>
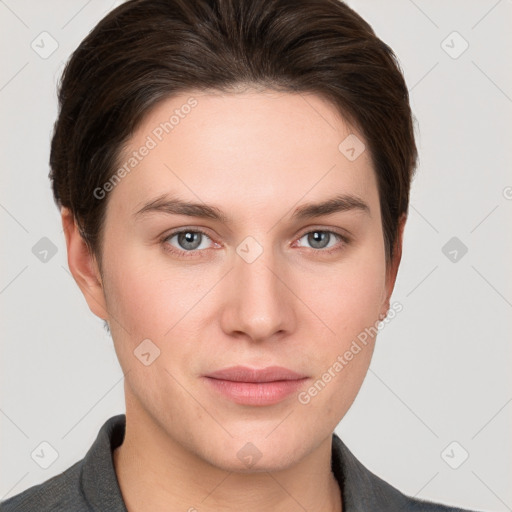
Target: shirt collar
<point>98,480</point>
<point>360,488</point>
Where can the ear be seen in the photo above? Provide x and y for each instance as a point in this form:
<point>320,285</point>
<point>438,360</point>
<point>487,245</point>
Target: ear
<point>83,266</point>
<point>392,268</point>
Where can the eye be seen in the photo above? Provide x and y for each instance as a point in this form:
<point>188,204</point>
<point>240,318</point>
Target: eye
<point>186,240</point>
<point>190,242</point>
<point>324,240</point>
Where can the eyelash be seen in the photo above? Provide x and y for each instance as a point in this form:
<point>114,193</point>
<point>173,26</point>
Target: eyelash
<point>191,254</point>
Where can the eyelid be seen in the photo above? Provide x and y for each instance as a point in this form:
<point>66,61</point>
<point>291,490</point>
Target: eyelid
<point>327,229</point>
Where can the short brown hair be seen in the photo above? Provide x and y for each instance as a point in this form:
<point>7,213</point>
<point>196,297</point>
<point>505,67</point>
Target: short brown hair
<point>145,51</point>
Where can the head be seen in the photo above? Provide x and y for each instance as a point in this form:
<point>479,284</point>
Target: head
<point>253,111</point>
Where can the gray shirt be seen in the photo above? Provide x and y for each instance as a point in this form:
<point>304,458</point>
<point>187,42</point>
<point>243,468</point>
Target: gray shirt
<point>91,483</point>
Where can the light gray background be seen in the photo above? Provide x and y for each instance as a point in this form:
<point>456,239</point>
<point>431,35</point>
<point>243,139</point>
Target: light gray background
<point>441,369</point>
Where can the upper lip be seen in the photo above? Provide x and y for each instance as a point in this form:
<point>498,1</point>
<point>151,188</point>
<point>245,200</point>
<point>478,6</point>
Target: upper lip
<point>246,374</point>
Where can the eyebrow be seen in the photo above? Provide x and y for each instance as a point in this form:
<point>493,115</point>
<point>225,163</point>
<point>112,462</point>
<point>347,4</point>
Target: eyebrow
<point>176,206</point>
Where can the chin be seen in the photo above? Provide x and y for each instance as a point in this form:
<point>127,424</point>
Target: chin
<point>256,453</point>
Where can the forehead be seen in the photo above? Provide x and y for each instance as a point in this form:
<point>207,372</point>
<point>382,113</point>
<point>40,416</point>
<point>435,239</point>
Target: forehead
<point>247,149</point>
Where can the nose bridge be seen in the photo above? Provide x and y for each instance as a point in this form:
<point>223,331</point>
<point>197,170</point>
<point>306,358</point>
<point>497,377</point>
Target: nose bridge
<point>260,302</point>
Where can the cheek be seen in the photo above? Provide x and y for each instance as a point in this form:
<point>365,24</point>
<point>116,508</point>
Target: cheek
<point>349,297</point>
<point>153,299</point>
<point>149,301</point>
<point>348,302</point>
<point>148,309</point>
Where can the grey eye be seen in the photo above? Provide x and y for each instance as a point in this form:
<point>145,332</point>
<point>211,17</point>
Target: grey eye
<point>319,239</point>
<point>188,240</point>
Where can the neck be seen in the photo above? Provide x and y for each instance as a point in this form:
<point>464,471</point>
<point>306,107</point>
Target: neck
<point>156,473</point>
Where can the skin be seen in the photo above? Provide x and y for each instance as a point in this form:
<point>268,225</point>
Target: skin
<point>256,155</point>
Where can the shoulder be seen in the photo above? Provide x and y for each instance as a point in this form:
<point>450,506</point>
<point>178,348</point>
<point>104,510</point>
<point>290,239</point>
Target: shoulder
<point>61,492</point>
<point>88,485</point>
<point>363,490</point>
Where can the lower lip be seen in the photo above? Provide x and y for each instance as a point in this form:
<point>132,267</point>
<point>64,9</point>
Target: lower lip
<point>256,393</point>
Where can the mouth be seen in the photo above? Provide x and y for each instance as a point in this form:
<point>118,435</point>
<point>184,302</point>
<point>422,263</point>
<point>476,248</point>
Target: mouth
<point>257,387</point>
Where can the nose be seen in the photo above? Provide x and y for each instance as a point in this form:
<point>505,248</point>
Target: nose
<point>259,304</point>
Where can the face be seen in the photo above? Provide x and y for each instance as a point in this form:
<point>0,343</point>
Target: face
<point>249,277</point>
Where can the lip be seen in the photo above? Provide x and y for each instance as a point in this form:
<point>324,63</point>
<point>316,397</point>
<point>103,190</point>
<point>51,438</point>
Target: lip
<point>253,386</point>
<point>246,374</point>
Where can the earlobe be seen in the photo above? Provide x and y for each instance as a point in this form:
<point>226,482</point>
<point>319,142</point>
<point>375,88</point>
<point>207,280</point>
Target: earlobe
<point>83,266</point>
